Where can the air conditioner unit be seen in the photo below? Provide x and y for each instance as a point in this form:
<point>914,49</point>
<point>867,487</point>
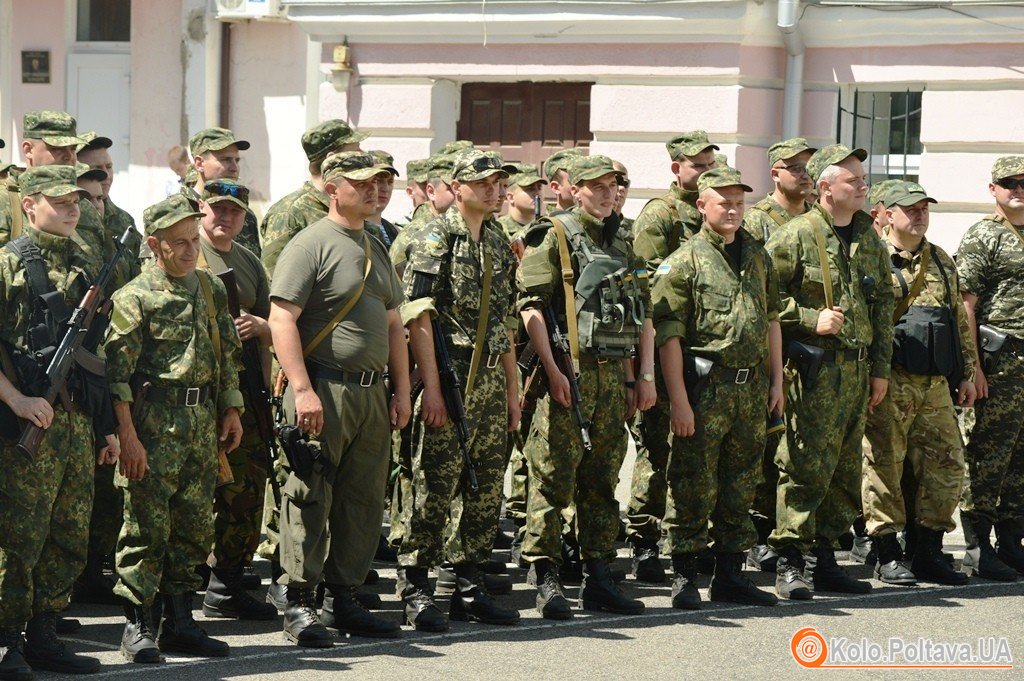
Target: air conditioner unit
<point>237,10</point>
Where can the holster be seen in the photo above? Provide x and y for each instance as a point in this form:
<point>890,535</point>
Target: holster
<point>806,359</point>
<point>990,346</point>
<point>305,458</point>
<point>696,371</point>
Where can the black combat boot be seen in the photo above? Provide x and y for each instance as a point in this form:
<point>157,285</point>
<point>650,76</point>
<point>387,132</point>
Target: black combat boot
<point>1008,546</point>
<point>227,598</point>
<point>515,552</point>
<point>277,594</point>
<point>864,551</point>
<point>790,582</point>
<point>600,592</point>
<point>251,579</point>
<point>551,602</point>
<point>343,611</point>
<point>420,609</point>
<point>43,650</point>
<point>822,570</point>
<point>891,567</point>
<point>496,585</point>
<point>138,643</point>
<point>302,626</point>
<point>731,586</point>
<point>68,625</point>
<point>93,586</point>
<point>981,559</point>
<point>571,569</point>
<point>13,666</point>
<point>502,540</point>
<point>179,632</point>
<point>471,603</point>
<point>930,564</point>
<point>384,552</point>
<point>909,539</point>
<point>706,561</point>
<point>647,566</point>
<point>685,595</point>
<point>760,556</point>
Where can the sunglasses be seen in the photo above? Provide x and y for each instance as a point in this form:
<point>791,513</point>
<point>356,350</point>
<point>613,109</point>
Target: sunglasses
<point>795,169</point>
<point>234,191</point>
<point>482,163</point>
<point>1010,184</point>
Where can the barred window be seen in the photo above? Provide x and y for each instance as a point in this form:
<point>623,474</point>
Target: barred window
<point>888,126</point>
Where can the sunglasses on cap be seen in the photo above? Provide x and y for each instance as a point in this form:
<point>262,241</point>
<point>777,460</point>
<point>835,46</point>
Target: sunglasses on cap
<point>483,163</point>
<point>1010,184</point>
<point>232,190</point>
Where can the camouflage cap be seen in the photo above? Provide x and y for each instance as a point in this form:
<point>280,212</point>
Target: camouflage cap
<point>84,171</point>
<point>904,193</point>
<point>585,168</point>
<point>724,176</point>
<point>829,156</point>
<point>1007,166</point>
<point>418,170</point>
<point>721,160</point>
<point>385,161</point>
<point>91,141</point>
<point>56,128</point>
<point>440,166</point>
<point>49,181</point>
<point>329,136</point>
<point>352,165</point>
<point>214,139</point>
<point>878,190</point>
<point>455,147</point>
<point>560,160</point>
<point>786,149</point>
<point>168,213</point>
<point>472,164</point>
<point>688,144</point>
<point>525,175</point>
<point>224,189</point>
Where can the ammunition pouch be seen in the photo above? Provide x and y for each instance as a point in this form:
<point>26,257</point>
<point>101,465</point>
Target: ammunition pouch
<point>926,342</point>
<point>990,347</point>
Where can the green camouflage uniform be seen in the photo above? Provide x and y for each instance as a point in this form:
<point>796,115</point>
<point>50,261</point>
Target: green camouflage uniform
<point>44,524</point>
<point>451,261</point>
<point>561,471</point>
<point>719,310</point>
<point>820,468</point>
<point>117,220</point>
<point>159,332</point>
<point>663,224</point>
<point>280,227</point>
<point>990,262</point>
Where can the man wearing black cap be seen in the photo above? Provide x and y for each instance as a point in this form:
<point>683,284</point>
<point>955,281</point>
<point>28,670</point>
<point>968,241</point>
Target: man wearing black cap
<point>95,153</point>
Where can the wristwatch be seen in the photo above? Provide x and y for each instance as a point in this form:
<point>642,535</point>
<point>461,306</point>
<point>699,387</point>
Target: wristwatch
<point>646,377</point>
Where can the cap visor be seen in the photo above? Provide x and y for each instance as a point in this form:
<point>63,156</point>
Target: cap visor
<point>99,143</point>
<point>911,199</point>
<point>355,174</point>
<point>62,140</point>
<point>217,199</point>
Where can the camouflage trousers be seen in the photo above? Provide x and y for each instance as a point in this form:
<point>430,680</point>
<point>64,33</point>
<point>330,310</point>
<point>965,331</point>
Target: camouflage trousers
<point>995,449</point>
<point>237,507</point>
<point>712,474</point>
<point>107,513</point>
<point>168,514</point>
<point>44,519</point>
<point>330,525</point>
<point>820,467</point>
<point>400,480</point>
<point>562,472</point>
<point>268,548</point>
<point>439,493</point>
<point>534,411</point>
<point>648,491</point>
<point>915,421</point>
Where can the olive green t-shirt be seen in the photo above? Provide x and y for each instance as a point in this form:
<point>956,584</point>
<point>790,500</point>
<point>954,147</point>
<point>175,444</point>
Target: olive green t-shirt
<point>250,277</point>
<point>319,270</point>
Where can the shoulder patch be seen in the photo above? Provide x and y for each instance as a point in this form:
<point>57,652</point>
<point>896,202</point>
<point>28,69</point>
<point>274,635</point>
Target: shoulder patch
<point>120,322</point>
<point>663,268</point>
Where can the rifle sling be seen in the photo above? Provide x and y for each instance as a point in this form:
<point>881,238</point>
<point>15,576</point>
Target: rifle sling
<point>826,272</point>
<point>565,259</point>
<point>915,287</point>
<point>331,325</point>
<point>481,324</point>
<point>16,215</point>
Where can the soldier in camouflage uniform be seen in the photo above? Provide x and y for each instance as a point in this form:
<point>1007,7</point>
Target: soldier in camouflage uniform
<point>385,231</point>
<point>990,262</point>
<point>848,318</point>
<point>171,345</point>
<point>716,297</point>
<point>214,157</point>
<point>237,505</point>
<point>335,324</point>
<point>415,188</point>
<point>792,197</point>
<point>876,205</point>
<point>564,471</point>
<point>46,500</point>
<point>556,169</point>
<point>625,224</point>
<point>524,186</point>
<point>439,199</point>
<point>663,224</point>
<point>448,277</point>
<point>916,421</point>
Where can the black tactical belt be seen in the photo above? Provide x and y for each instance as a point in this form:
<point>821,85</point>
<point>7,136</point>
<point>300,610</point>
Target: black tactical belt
<point>491,361</point>
<point>182,397</point>
<point>365,379</point>
<point>737,376</point>
<point>833,356</point>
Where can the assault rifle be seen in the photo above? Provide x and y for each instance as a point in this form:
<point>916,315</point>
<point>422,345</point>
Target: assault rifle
<point>563,358</point>
<point>451,391</point>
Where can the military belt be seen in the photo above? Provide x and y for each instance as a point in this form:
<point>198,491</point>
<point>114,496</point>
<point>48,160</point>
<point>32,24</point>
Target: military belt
<point>364,379</point>
<point>587,358</point>
<point>492,361</point>
<point>833,356</point>
<point>182,397</point>
<point>737,376</point>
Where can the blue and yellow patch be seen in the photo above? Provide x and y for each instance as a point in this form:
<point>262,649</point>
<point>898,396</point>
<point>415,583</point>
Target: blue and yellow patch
<point>663,268</point>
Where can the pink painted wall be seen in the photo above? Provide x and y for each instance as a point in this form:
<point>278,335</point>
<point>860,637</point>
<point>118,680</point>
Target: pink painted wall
<point>29,97</point>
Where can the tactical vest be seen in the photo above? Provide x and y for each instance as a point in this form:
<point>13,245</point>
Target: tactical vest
<point>609,297</point>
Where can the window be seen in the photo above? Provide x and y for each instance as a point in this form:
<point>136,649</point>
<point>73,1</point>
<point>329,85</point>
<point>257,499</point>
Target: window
<point>526,122</point>
<point>104,20</point>
<point>888,126</point>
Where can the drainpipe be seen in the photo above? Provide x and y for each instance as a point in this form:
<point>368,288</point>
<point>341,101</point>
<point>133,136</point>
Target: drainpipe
<point>792,97</point>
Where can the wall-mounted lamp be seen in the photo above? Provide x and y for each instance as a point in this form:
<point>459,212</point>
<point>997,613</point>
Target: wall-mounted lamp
<point>341,71</point>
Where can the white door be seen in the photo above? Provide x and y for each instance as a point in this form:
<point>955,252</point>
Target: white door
<point>99,89</point>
